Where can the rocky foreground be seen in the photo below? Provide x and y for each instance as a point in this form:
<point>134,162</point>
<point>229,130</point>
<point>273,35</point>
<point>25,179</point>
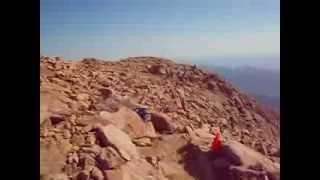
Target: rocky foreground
<point>88,129</point>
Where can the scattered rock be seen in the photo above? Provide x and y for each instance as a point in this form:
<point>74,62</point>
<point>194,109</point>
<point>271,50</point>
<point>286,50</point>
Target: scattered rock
<point>71,169</point>
<point>94,149</point>
<point>44,132</point>
<point>84,175</point>
<point>194,117</point>
<point>181,129</point>
<point>73,158</point>
<point>91,139</point>
<point>75,148</point>
<point>82,97</point>
<point>145,141</point>
<point>109,159</point>
<point>223,121</point>
<point>152,160</point>
<point>96,174</point>
<point>55,119</point>
<point>202,133</point>
<point>78,140</point>
<point>189,131</point>
<point>110,105</point>
<point>67,126</point>
<point>246,132</point>
<point>275,152</point>
<point>87,162</point>
<point>67,134</point>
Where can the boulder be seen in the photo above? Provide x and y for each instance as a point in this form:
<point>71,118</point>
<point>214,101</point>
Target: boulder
<point>245,159</point>
<point>130,122</point>
<point>162,123</point>
<point>111,135</point>
<point>82,97</point>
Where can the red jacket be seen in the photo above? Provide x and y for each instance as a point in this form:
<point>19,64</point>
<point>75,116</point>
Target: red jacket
<point>216,143</point>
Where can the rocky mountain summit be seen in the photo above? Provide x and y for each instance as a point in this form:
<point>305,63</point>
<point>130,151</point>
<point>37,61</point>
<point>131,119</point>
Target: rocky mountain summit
<point>90,131</point>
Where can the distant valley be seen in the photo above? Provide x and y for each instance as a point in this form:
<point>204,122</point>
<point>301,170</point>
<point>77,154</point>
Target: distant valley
<point>263,84</point>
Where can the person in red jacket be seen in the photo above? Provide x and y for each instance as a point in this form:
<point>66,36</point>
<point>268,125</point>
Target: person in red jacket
<point>217,141</point>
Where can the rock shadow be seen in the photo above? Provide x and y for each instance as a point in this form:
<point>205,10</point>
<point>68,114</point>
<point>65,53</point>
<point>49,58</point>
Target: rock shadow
<point>209,165</point>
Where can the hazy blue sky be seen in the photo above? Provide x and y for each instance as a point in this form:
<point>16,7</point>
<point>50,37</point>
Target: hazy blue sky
<point>237,32</point>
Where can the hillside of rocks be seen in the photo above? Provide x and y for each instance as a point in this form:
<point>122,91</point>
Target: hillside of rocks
<point>88,129</point>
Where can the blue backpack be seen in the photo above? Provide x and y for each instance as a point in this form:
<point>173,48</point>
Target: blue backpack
<point>143,113</point>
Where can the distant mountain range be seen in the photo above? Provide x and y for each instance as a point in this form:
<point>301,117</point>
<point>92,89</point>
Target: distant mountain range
<point>264,84</point>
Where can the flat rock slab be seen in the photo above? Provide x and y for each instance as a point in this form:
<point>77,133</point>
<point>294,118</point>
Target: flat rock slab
<point>111,135</point>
